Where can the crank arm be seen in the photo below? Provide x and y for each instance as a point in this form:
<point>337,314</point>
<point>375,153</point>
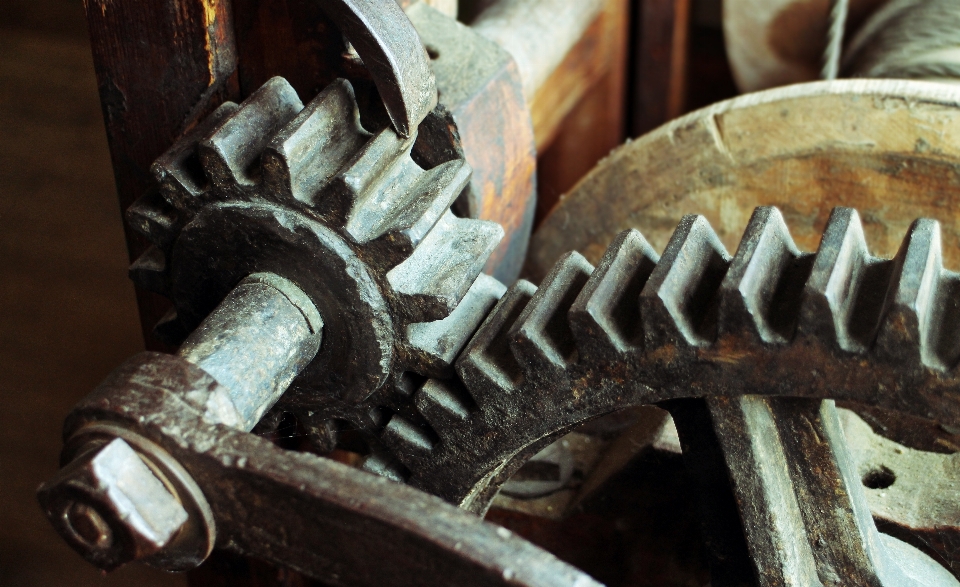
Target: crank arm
<point>320,517</point>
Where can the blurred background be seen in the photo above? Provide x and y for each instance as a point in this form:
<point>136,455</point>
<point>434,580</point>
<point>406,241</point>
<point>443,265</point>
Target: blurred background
<point>69,314</point>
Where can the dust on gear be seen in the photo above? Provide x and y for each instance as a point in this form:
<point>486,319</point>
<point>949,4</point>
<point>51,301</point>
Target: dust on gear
<point>641,329</point>
<point>307,193</point>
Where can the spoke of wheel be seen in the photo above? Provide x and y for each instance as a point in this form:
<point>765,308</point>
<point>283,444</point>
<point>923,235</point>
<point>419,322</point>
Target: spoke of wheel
<point>779,469</point>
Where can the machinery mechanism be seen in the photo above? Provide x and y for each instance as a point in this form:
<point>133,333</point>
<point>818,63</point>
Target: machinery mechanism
<point>317,270</point>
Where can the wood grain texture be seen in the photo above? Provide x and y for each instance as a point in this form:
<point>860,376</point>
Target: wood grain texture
<point>660,63</point>
<point>161,66</point>
<point>290,38</point>
<point>888,148</point>
<point>572,138</point>
<point>598,57</point>
<point>537,33</point>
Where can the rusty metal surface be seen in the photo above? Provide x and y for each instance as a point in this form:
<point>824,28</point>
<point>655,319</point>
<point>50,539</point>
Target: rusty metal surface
<point>309,513</point>
<point>348,216</point>
<point>330,228</point>
<point>111,507</point>
<point>692,323</point>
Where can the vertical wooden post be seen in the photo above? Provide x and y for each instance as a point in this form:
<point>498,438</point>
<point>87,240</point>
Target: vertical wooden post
<point>289,38</point>
<point>660,62</point>
<point>594,74</point>
<point>161,66</point>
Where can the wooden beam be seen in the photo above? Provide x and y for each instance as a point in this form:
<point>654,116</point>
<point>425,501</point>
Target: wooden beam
<point>161,66</point>
<point>578,114</point>
<point>660,62</point>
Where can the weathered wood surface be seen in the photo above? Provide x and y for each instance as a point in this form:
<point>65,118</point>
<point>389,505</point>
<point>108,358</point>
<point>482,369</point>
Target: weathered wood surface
<point>289,38</point>
<point>889,148</point>
<point>161,66</point>
<point>778,42</point>
<point>538,34</point>
<point>660,63</point>
<point>597,59</point>
<point>578,115</point>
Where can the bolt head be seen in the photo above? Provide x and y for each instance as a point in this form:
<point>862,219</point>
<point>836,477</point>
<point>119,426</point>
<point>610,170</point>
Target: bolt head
<point>110,507</point>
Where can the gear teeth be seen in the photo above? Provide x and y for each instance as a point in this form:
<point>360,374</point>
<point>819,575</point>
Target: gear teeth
<point>677,303</point>
<point>606,315</point>
<point>844,297</point>
<point>436,344</point>
<point>443,405</point>
<point>230,154</point>
<point>179,172</point>
<point>519,395</point>
<point>761,293</point>
<point>151,216</point>
<point>410,444</point>
<point>149,272</point>
<point>429,284</point>
<point>269,423</point>
<point>487,363</point>
<point>322,432</point>
<point>386,466</point>
<point>541,339</point>
<point>914,324</point>
<point>379,164</point>
<point>402,216</point>
<point>306,154</point>
<point>170,330</point>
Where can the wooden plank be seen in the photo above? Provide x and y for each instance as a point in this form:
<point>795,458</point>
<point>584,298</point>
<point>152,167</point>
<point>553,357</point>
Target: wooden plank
<point>660,58</point>
<point>579,113</point>
<point>599,57</point>
<point>161,66</point>
<point>290,38</point>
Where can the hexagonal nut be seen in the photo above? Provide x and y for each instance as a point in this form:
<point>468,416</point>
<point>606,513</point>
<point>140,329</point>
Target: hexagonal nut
<point>110,507</point>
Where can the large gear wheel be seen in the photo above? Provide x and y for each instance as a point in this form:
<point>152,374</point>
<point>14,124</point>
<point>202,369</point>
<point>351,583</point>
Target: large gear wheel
<point>694,322</point>
<point>308,193</point>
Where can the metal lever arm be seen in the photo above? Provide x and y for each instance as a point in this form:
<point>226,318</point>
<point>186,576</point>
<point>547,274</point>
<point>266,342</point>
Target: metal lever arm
<point>321,517</point>
<point>391,50</point>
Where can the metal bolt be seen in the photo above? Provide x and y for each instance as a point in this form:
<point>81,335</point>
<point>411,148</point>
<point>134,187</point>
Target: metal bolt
<point>111,508</point>
<point>89,526</point>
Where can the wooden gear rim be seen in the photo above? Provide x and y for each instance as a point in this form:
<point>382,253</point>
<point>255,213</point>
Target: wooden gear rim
<point>889,148</point>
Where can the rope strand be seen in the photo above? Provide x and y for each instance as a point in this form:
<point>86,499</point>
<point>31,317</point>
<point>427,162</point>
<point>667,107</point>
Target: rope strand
<point>908,39</point>
<point>834,48</point>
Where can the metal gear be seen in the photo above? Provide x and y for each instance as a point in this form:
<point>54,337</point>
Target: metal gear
<point>307,196</point>
<point>348,215</point>
<point>695,322</point>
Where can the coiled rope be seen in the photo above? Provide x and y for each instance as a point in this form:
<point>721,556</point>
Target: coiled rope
<point>904,39</point>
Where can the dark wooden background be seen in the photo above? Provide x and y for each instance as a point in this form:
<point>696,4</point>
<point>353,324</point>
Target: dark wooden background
<point>68,312</point>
